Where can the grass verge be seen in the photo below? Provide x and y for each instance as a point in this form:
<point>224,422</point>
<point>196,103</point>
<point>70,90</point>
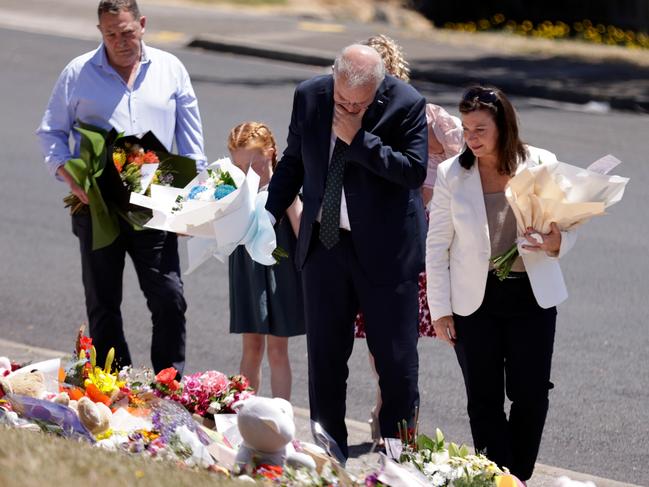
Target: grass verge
<point>29,459</point>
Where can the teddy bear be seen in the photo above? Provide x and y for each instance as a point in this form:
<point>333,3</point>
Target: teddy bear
<point>267,428</point>
<point>30,384</point>
<point>95,416</point>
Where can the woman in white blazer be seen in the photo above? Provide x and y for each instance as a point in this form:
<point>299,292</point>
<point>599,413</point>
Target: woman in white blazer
<point>502,330</point>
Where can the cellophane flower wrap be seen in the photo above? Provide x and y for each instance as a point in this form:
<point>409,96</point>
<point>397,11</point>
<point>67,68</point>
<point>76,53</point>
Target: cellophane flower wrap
<point>220,209</point>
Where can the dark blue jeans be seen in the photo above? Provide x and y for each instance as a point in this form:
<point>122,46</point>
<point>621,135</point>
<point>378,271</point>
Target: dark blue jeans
<point>507,342</point>
<point>155,256</point>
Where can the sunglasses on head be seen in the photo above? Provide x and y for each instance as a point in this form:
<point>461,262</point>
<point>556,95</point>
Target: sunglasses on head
<point>480,95</point>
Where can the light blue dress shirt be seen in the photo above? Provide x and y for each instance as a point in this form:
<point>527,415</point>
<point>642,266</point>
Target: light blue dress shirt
<point>162,100</point>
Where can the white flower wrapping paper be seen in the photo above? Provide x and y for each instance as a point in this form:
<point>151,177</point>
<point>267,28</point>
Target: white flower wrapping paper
<point>562,193</point>
<point>216,227</point>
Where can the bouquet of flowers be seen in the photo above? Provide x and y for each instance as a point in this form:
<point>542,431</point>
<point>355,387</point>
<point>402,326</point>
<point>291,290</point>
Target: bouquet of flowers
<point>137,167</point>
<point>558,192</point>
<point>110,166</point>
<point>428,461</point>
<point>221,209</point>
<point>82,377</point>
<point>203,393</point>
<point>218,185</point>
<point>140,162</point>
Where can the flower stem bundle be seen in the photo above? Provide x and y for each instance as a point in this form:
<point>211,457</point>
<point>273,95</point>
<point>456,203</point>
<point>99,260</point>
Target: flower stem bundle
<point>503,263</point>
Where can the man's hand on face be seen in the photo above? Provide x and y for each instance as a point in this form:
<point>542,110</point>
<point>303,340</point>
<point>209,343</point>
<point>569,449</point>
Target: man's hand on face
<point>346,124</point>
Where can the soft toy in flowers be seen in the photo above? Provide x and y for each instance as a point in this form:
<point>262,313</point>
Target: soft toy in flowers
<point>31,384</point>
<point>267,428</point>
<point>95,416</point>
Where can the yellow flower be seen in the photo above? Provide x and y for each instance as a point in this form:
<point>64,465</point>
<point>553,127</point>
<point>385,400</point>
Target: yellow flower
<point>149,435</point>
<point>105,435</point>
<point>119,159</point>
<point>105,382</point>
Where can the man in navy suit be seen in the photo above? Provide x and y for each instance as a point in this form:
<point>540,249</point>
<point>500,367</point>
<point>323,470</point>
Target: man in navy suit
<point>357,146</point>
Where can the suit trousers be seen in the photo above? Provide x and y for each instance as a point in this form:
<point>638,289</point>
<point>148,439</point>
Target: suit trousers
<point>155,257</point>
<point>508,340</point>
<point>335,288</point>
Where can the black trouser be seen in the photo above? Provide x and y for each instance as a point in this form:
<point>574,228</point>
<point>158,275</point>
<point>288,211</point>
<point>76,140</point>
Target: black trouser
<point>509,340</point>
<point>155,257</point>
<point>335,288</point>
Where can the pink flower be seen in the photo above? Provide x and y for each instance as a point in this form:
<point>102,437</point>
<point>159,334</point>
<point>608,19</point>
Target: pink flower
<point>215,382</point>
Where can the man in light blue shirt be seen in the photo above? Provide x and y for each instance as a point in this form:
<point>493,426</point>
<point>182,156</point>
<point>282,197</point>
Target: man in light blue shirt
<point>134,88</point>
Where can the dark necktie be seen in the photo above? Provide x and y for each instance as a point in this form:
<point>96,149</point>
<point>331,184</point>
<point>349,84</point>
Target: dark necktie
<point>330,219</point>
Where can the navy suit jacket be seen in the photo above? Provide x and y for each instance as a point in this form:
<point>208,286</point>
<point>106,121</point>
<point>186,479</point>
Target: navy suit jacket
<point>386,165</point>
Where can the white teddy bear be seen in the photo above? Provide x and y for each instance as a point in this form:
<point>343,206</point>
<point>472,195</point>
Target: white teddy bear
<point>267,428</point>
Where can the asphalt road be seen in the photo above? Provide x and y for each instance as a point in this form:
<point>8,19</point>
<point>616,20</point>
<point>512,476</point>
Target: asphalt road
<point>599,415</point>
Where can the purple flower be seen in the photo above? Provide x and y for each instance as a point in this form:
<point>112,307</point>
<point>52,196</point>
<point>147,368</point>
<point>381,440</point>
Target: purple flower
<point>371,480</point>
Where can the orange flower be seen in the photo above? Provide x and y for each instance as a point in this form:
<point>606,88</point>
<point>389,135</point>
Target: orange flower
<point>269,471</point>
<point>167,376</point>
<point>135,158</point>
<point>85,342</point>
<point>93,392</point>
<point>150,157</point>
<point>74,393</point>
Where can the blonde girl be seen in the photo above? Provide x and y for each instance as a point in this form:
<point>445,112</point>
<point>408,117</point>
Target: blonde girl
<point>265,301</point>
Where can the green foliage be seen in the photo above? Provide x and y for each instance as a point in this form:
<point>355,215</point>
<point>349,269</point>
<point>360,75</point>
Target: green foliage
<point>503,263</point>
<point>131,176</point>
<point>279,253</point>
<point>481,480</point>
<point>85,170</point>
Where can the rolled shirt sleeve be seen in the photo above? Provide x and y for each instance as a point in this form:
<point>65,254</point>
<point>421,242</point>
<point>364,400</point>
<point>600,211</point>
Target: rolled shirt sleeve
<point>54,130</point>
<point>189,132</point>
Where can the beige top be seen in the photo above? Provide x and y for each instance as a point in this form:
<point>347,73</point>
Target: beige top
<point>502,227</point>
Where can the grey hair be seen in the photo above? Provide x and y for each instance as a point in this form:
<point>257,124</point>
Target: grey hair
<point>356,74</point>
<point>116,6</point>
